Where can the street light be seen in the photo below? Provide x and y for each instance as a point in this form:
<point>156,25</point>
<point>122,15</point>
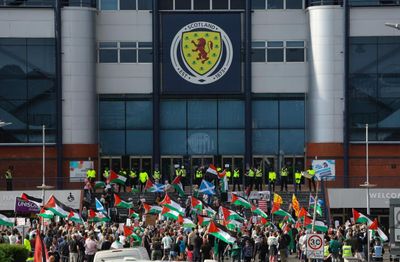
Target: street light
<point>366,184</point>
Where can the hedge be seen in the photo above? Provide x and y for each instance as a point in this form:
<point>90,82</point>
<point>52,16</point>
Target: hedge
<point>13,253</point>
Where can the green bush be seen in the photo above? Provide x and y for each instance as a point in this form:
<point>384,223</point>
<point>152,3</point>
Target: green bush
<point>14,253</point>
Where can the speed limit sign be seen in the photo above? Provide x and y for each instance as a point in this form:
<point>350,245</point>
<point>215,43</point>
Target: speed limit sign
<point>315,246</point>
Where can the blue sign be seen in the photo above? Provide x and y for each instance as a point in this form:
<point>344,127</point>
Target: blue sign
<point>201,53</point>
<point>324,169</point>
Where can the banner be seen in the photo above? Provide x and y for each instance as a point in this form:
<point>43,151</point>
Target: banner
<point>201,53</point>
<point>254,195</point>
<point>324,169</point>
<point>23,206</point>
<point>78,169</point>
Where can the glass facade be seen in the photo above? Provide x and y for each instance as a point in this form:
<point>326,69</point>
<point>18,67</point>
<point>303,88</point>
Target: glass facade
<point>27,89</point>
<point>374,88</point>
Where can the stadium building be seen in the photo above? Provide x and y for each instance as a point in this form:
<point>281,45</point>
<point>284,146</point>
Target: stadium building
<point>151,84</point>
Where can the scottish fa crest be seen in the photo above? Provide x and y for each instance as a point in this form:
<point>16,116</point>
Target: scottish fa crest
<point>201,53</point>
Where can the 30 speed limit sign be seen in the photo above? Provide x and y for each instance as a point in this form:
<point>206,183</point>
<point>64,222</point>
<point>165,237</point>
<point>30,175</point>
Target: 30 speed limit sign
<point>315,246</point>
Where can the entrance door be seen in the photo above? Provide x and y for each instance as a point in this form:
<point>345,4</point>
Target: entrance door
<point>234,162</point>
<point>139,163</point>
<point>111,162</point>
<point>168,165</point>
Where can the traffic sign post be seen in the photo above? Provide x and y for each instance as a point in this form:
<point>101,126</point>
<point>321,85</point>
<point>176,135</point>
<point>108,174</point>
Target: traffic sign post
<point>315,246</point>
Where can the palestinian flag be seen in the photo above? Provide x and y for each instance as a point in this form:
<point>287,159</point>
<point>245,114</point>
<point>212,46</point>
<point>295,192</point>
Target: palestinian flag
<point>307,221</point>
<point>40,254</point>
<point>303,212</point>
<point>152,209</point>
<point>212,170</point>
<point>360,218</point>
<point>240,201</point>
<point>374,225</point>
<point>130,232</point>
<point>295,205</point>
<point>257,211</point>
<point>155,188</point>
<point>6,221</point>
<point>218,231</point>
<point>222,174</point>
<point>135,190</point>
<point>99,184</point>
<point>97,216</point>
<point>178,186</point>
<point>209,211</point>
<point>196,204</point>
<point>168,213</point>
<point>75,217</point>
<point>114,178</point>
<point>230,214</point>
<point>58,208</point>
<point>234,225</point>
<point>118,202</point>
<point>171,204</point>
<point>265,221</point>
<point>36,201</point>
<point>46,213</point>
<point>380,233</point>
<point>203,221</point>
<point>319,226</point>
<point>186,222</point>
<point>275,207</point>
<point>133,214</point>
<point>284,214</point>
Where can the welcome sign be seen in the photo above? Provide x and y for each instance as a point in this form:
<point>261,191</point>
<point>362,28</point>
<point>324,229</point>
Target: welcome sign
<point>201,53</point>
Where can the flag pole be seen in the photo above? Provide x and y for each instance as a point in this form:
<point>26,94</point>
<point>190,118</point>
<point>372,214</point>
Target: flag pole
<point>315,207</point>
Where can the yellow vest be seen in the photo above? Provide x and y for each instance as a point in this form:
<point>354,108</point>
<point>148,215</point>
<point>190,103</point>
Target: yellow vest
<point>326,251</point>
<point>157,174</point>
<point>272,176</point>
<point>311,172</point>
<point>199,174</point>
<point>346,251</point>
<point>27,244</point>
<point>132,174</point>
<point>143,176</point>
<point>106,173</point>
<point>8,174</point>
<point>284,172</point>
<point>236,174</point>
<point>178,172</point>
<point>91,173</point>
<point>251,173</point>
<point>259,173</point>
<point>29,259</point>
<point>228,174</point>
<point>183,172</point>
<point>297,177</point>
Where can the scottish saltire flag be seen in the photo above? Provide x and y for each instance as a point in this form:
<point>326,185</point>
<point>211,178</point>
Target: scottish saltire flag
<point>207,188</point>
<point>99,206</point>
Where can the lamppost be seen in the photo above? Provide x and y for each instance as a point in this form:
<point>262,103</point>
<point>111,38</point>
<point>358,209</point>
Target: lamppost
<point>367,185</point>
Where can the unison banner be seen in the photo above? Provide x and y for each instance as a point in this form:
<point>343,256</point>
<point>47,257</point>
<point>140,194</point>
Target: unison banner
<point>25,206</point>
<point>201,53</point>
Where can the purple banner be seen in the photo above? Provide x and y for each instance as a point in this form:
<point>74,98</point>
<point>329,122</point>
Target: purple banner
<point>25,206</point>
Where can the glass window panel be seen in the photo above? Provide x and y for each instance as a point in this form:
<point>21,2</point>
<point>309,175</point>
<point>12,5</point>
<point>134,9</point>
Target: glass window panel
<point>13,88</point>
<point>389,58</point>
<point>291,114</point>
<point>40,113</point>
<point>363,86</point>
<point>237,4</point>
<point>108,44</point>
<point>294,54</point>
<point>112,142</point>
<point>258,4</point>
<point>292,141</point>
<point>231,142</point>
<point>260,44</point>
<point>388,113</point>
<point>202,114</point>
<point>265,114</point>
<point>139,142</point>
<point>230,114</point>
<point>127,44</point>
<point>145,56</point>
<point>358,134</point>
<point>13,60</point>
<point>166,4</point>
<point>183,4</point>
<point>201,4</point>
<point>112,115</point>
<point>40,86</point>
<point>127,4</point>
<point>258,55</point>
<point>41,60</point>
<point>275,55</point>
<point>108,56</point>
<point>275,43</point>
<point>145,4</point>
<point>265,141</point>
<point>389,85</point>
<point>36,136</point>
<point>363,58</point>
<point>109,4</point>
<point>127,56</point>
<point>146,44</point>
<point>294,4</point>
<point>275,4</point>
<point>139,114</point>
<point>294,44</point>
<point>220,4</point>
<point>173,142</point>
<point>202,142</point>
<point>173,114</point>
<point>15,112</point>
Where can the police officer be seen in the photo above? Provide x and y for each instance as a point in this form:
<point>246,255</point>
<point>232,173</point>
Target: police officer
<point>143,177</point>
<point>133,177</point>
<point>228,174</point>
<point>346,249</point>
<point>9,178</point>
<point>297,179</point>
<point>284,178</point>
<point>106,173</point>
<point>250,178</point>
<point>236,179</point>
<point>177,171</point>
<point>198,176</point>
<point>183,174</point>
<point>272,179</point>
<point>258,180</point>
<point>122,172</point>
<point>311,180</point>
<point>157,175</point>
<point>91,175</point>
